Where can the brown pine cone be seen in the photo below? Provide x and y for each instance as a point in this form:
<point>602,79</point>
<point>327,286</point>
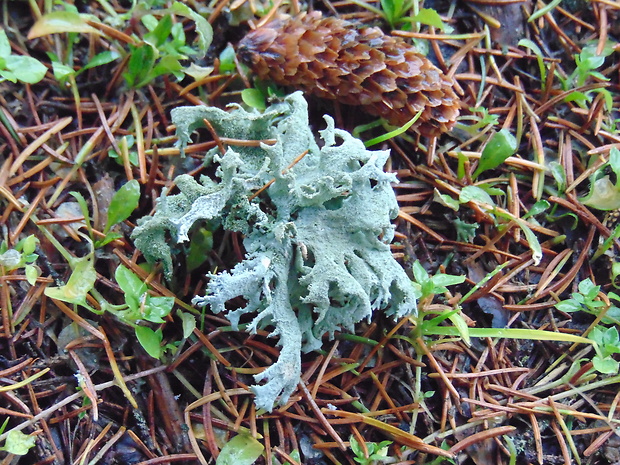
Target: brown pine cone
<point>334,59</point>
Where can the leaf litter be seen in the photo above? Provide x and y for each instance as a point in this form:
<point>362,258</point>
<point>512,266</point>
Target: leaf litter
<point>494,400</point>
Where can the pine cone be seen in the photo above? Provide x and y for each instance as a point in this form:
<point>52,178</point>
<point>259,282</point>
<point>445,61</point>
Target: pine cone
<point>334,59</point>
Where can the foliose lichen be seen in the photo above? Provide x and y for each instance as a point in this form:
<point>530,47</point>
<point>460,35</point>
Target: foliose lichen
<point>317,239</point>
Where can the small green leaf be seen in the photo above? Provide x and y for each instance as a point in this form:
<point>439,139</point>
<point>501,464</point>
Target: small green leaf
<point>140,64</point>
<point>150,23</point>
<point>420,275</point>
<point>442,280</point>
<point>188,322</point>
<point>5,45</point>
<point>156,308</point>
<point>7,76</point>
<point>131,284</point>
<point>200,245</point>
<point>569,306</point>
<point>28,245</point>
<point>62,71</point>
<point>203,28</point>
<point>18,443</point>
<point>150,340</point>
<point>559,174</point>
<point>446,200</point>
<point>83,207</point>
<point>62,21</point>
<point>162,30</point>
<point>475,194</point>
<point>26,69</point>
<point>243,449</point>
<point>527,43</point>
<point>109,237</point>
<point>227,60</point>
<point>614,161</point>
<point>102,58</point>
<point>588,289</point>
<point>605,365</point>
<point>539,207</point>
<point>461,325</point>
<point>501,146</point>
<point>253,98</point>
<point>603,195</point>
<point>123,203</point>
<point>80,283</point>
<point>32,273</point>
<point>532,241</point>
<point>429,17</point>
<point>167,65</point>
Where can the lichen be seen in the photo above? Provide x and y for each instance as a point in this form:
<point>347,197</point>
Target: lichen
<point>317,239</point>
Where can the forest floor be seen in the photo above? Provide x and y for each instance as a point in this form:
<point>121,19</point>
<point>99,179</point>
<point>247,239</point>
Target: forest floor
<point>507,224</point>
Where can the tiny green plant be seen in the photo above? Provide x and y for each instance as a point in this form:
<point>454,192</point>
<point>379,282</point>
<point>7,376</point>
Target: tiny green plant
<point>607,342</point>
<point>395,10</point>
<point>481,120</point>
<point>18,67</point>
<point>160,52</point>
<point>123,203</point>
<point>377,452</point>
<point>500,146</point>
<point>587,300</point>
<point>605,194</point>
<point>587,62</point>
<point>480,195</point>
<point>243,449</point>
<point>607,345</point>
<point>22,256</point>
<point>586,65</point>
<point>16,442</point>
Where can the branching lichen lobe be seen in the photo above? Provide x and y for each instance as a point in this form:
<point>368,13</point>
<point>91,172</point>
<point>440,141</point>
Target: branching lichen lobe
<point>338,60</point>
<point>318,259</point>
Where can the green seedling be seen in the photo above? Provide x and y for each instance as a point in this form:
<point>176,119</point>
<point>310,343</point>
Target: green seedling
<point>16,442</point>
<point>258,96</point>
<point>123,203</point>
<point>605,194</point>
<point>125,145</point>
<point>529,44</point>
<point>427,287</point>
<point>227,60</point>
<point>22,256</point>
<point>501,146</point>
<point>395,10</point>
<point>587,300</point>
<point>139,304</point>
<point>607,344</point>
<point>243,449</point>
<point>586,65</point>
<point>18,67</point>
<point>377,452</point>
<point>480,195</point>
<point>481,122</point>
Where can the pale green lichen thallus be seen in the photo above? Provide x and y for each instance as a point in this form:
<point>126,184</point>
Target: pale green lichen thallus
<point>317,240</point>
